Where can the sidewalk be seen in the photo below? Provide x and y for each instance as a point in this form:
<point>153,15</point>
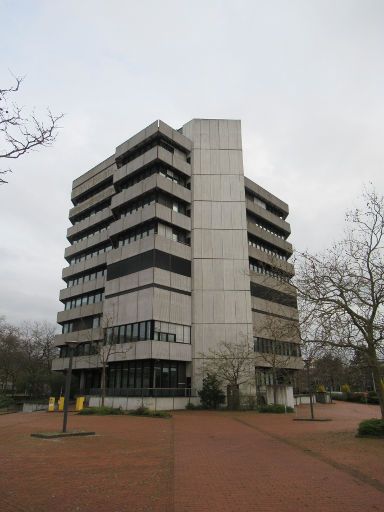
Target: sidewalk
<point>198,461</point>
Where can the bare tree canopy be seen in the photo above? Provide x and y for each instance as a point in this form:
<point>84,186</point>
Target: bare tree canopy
<point>26,354</point>
<point>276,331</point>
<point>232,364</point>
<point>22,132</point>
<point>344,288</point>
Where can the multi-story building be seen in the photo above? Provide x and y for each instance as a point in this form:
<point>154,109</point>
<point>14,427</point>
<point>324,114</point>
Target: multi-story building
<point>173,251</point>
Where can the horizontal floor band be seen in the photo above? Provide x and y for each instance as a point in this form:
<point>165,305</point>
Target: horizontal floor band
<point>144,287</point>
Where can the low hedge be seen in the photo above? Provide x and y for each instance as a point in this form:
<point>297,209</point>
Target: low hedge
<point>107,411</point>
<point>276,409</point>
<point>358,397</point>
<point>100,411</point>
<point>371,428</point>
<point>6,402</point>
<point>144,411</point>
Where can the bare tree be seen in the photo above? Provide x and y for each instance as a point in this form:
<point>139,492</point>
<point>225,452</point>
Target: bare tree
<point>233,364</point>
<point>11,356</point>
<point>344,288</point>
<point>21,132</point>
<point>26,354</point>
<point>273,351</point>
<point>38,340</point>
<point>105,352</point>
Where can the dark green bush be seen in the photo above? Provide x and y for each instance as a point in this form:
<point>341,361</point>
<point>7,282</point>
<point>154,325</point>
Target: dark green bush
<point>277,409</point>
<point>358,397</point>
<point>372,398</point>
<point>141,411</point>
<point>101,411</point>
<point>211,394</point>
<point>144,411</point>
<point>6,402</point>
<point>373,427</point>
<point>191,407</point>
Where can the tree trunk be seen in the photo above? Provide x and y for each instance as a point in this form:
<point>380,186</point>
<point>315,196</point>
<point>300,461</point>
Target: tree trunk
<point>274,386</point>
<point>233,396</point>
<point>375,367</point>
<point>103,384</point>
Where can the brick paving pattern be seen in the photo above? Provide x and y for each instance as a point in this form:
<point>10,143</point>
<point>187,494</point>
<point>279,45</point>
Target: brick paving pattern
<point>198,461</point>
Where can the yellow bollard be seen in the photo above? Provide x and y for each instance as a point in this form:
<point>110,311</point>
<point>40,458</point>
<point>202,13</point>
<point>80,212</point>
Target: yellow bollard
<point>60,403</point>
<point>80,403</point>
<point>51,404</point>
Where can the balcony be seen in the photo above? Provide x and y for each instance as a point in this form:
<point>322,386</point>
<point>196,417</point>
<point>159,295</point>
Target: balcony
<point>100,197</point>
<point>95,334</point>
<point>279,264</point>
<point>80,289</point>
<point>266,196</point>
<point>156,181</point>
<point>79,312</point>
<point>90,242</point>
<point>82,266</point>
<point>93,183</point>
<point>270,238</point>
<point>150,157</point>
<point>269,217</point>
<point>149,133</point>
<point>153,211</point>
<point>89,222</point>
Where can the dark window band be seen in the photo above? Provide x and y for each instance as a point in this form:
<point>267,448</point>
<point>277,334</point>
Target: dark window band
<point>274,314</point>
<point>148,259</point>
<point>263,292</point>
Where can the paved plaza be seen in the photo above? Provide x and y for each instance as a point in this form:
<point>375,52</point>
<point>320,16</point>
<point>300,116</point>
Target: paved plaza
<point>197,461</point>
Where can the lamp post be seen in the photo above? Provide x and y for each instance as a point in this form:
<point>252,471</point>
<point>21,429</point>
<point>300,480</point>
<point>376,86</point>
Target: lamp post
<point>71,345</point>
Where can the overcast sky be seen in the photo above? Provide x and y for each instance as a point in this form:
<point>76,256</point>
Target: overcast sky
<point>305,77</point>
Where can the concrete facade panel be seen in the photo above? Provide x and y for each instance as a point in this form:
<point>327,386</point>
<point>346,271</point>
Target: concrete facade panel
<point>218,218</point>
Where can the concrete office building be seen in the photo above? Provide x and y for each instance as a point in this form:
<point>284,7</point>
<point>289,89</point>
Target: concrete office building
<point>173,251</point>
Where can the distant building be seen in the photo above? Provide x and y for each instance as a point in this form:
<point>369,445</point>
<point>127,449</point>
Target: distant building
<point>172,251</point>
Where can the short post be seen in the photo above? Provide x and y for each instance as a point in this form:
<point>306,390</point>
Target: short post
<point>67,388</point>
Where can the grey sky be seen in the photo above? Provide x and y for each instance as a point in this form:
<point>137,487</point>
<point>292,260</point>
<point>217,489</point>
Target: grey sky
<point>305,77</point>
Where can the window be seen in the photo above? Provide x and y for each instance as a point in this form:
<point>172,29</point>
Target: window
<point>142,331</point>
<point>121,334</point>
<point>96,322</point>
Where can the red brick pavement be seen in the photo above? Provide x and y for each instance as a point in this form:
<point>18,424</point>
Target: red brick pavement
<point>126,467</point>
<point>223,463</point>
<point>196,462</point>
